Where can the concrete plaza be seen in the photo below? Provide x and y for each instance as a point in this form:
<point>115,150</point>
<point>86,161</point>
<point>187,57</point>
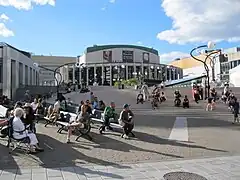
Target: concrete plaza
<point>168,139</point>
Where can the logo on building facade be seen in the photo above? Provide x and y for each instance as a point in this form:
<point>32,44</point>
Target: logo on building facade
<point>107,56</point>
<point>146,57</point>
<point>127,56</point>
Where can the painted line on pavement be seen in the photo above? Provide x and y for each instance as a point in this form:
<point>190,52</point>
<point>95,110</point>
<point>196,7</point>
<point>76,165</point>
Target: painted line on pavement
<point>180,130</point>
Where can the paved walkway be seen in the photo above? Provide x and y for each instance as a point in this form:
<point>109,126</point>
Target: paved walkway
<point>221,168</point>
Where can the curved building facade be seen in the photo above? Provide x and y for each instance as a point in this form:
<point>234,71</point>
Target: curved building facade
<point>110,63</point>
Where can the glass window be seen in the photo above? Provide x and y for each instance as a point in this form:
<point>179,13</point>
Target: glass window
<point>235,63</point>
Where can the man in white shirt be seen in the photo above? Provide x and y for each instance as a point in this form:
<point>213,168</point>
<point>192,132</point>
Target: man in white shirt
<point>57,105</point>
<point>34,105</point>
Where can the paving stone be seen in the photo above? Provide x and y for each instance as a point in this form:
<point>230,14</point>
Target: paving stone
<point>23,176</point>
<point>39,176</point>
<point>54,172</point>
<point>8,177</point>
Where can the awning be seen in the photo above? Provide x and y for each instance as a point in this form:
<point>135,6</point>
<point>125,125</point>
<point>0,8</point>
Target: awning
<point>184,80</point>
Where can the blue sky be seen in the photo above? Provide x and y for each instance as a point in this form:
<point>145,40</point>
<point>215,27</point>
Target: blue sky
<point>69,26</point>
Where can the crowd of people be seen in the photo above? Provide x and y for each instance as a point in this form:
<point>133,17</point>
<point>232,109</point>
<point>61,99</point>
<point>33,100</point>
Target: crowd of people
<point>22,116</point>
<point>20,124</point>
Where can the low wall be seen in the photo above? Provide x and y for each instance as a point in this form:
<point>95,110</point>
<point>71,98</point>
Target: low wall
<point>33,90</point>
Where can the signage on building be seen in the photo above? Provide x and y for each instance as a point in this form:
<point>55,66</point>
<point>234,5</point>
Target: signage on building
<point>127,56</point>
<point>107,56</point>
<point>146,57</point>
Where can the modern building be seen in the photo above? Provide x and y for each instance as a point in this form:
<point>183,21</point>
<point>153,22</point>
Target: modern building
<point>46,77</point>
<point>16,69</point>
<point>219,67</point>
<point>107,64</point>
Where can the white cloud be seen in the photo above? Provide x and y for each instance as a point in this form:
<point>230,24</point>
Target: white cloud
<point>201,21</point>
<point>4,17</point>
<point>4,31</point>
<point>26,4</point>
<point>103,8</point>
<point>112,1</point>
<point>139,43</point>
<point>168,57</point>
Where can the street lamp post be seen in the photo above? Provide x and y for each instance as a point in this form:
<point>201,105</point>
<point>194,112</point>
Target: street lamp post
<point>57,68</point>
<point>210,45</point>
<point>212,55</point>
<point>42,67</point>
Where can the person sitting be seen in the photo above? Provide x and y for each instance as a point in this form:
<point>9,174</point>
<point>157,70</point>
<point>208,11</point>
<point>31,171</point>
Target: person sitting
<point>80,106</point>
<point>213,93</point>
<point>29,117</point>
<point>163,97</point>
<point>34,104</point>
<point>101,105</point>
<point>210,104</point>
<point>39,108</point>
<point>50,111</point>
<point>54,116</point>
<point>57,105</point>
<point>140,98</point>
<point>89,107</point>
<point>77,122</point>
<point>185,102</point>
<point>126,121</point>
<point>177,95</point>
<point>95,103</point>
<point>18,104</point>
<point>20,132</point>
<point>235,111</point>
<point>155,102</point>
<point>224,98</point>
<point>109,113</point>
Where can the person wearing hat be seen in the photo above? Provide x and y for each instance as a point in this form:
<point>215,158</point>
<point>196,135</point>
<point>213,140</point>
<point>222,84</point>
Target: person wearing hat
<point>126,121</point>
<point>109,112</point>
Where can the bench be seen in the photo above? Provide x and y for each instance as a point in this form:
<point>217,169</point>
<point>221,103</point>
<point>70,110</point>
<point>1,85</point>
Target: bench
<point>82,131</point>
<point>48,121</point>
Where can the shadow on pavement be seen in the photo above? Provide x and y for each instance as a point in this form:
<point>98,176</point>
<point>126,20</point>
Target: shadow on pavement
<point>106,142</point>
<point>194,120</point>
<point>7,161</point>
<point>156,140</point>
<point>58,155</point>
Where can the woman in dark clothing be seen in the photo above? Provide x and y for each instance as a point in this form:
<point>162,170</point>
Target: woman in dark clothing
<point>29,117</point>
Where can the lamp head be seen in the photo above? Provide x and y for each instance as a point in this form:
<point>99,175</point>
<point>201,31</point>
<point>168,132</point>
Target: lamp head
<point>211,45</point>
<point>122,66</point>
<point>36,65</point>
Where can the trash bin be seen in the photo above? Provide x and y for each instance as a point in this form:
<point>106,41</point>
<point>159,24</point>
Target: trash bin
<point>119,86</point>
<point>122,86</point>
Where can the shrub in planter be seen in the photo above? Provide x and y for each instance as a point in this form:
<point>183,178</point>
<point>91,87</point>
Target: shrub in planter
<point>117,83</point>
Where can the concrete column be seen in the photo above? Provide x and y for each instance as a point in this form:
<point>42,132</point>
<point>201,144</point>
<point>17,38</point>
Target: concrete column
<point>17,71</point>
<point>149,72</point>
<point>95,72</point>
<point>28,75</point>
<point>87,76</point>
<point>102,74</point>
<point>155,73</point>
<point>126,70</point>
<point>23,74</point>
<point>111,79</point>
<point>74,79</point>
<point>80,76</point>
<point>6,85</point>
<point>134,70</point>
<point>170,74</point>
